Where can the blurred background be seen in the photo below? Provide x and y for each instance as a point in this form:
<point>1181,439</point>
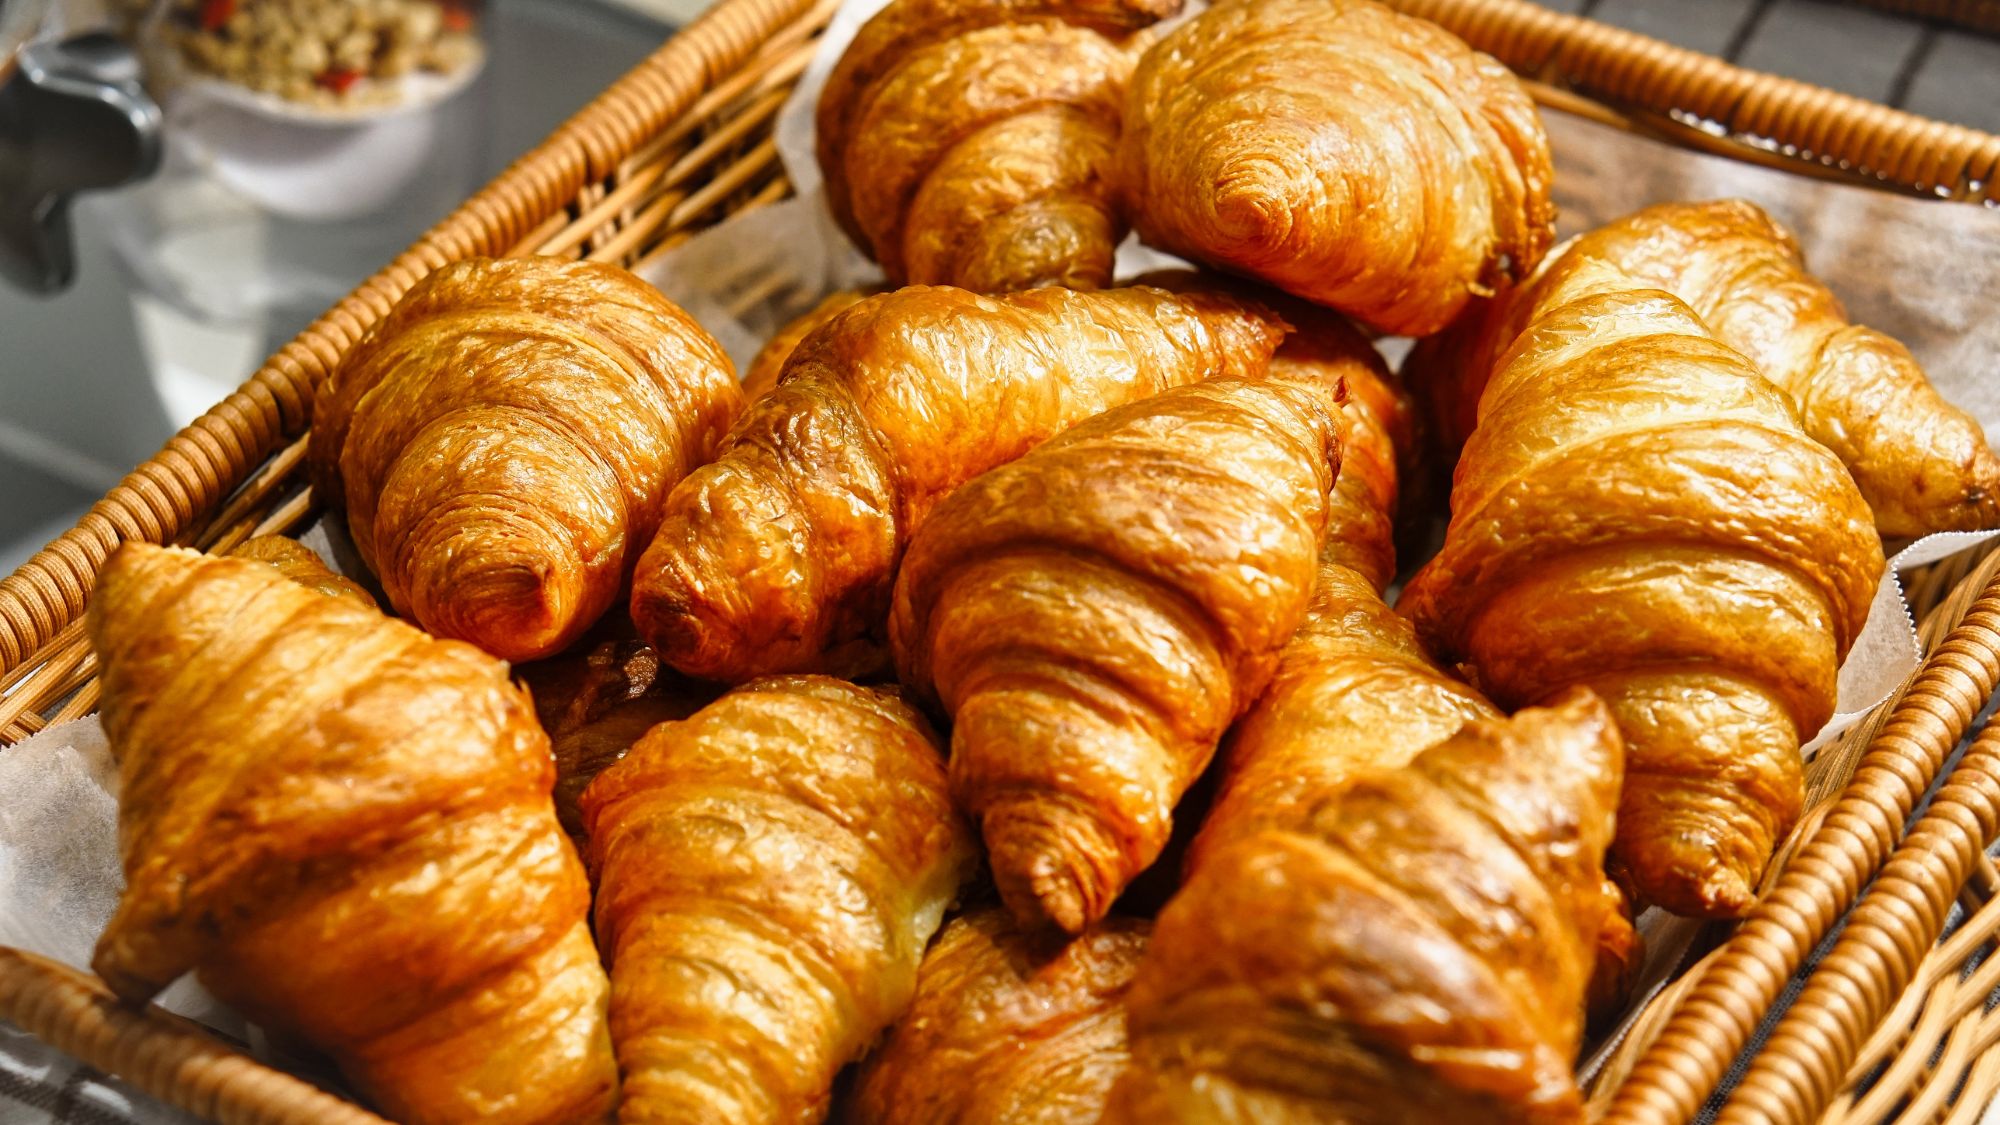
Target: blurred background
<point>269,205</point>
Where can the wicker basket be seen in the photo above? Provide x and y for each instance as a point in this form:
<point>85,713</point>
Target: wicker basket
<point>1892,1024</point>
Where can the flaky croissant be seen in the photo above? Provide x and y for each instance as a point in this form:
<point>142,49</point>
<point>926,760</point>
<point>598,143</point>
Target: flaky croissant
<point>1008,1028</point>
<point>769,361</point>
<point>344,826</point>
<point>1412,950</point>
<point>1638,511</point>
<point>1093,616</point>
<point>1356,157</point>
<point>1922,464</point>
<point>968,142</point>
<point>503,441</point>
<point>779,555</point>
<point>768,873</point>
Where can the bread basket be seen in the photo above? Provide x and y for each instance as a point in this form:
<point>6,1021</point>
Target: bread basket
<point>1891,1023</point>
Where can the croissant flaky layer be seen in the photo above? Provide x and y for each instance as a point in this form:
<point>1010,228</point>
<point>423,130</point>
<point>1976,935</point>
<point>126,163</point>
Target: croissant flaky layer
<point>969,143</point>
<point>778,556</point>
<point>1413,949</point>
<point>1093,615</point>
<point>769,871</point>
<point>1351,155</point>
<point>503,441</point>
<point>1922,464</point>
<point>344,826</point>
<point>1008,1028</point>
<point>1639,511</point>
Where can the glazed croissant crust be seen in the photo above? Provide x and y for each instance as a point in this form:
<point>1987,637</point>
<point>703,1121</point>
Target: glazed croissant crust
<point>1008,1028</point>
<point>503,441</point>
<point>968,143</point>
<point>1638,511</point>
<point>1356,157</point>
<point>769,871</point>
<point>1093,616</point>
<point>779,555</point>
<point>1922,464</point>
<point>344,826</point>
<point>1413,949</point>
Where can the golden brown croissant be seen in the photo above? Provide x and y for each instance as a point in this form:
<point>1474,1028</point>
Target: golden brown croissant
<point>1413,950</point>
<point>1638,511</point>
<point>503,441</point>
<point>1922,464</point>
<point>769,871</point>
<point>769,362</point>
<point>1356,157</point>
<point>778,556</point>
<point>969,142</point>
<point>344,826</point>
<point>1094,615</point>
<point>297,562</point>
<point>1007,1028</point>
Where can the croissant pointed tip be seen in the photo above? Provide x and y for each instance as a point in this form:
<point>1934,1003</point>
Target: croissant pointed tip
<point>1052,863</point>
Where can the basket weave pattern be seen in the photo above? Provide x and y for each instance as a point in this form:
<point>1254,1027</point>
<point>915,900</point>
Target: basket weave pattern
<point>1892,1025</point>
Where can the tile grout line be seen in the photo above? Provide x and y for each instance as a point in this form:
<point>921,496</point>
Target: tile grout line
<point>1912,64</point>
<point>1740,38</point>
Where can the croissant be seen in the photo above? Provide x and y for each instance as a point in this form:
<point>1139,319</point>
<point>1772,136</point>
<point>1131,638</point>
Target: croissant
<point>1413,949</point>
<point>769,361</point>
<point>506,433</point>
<point>1430,181</point>
<point>1922,464</point>
<point>769,872</point>
<point>343,825</point>
<point>1638,511</point>
<point>780,554</point>
<point>1007,1028</point>
<point>1094,615</point>
<point>968,142</point>
<point>297,562</point>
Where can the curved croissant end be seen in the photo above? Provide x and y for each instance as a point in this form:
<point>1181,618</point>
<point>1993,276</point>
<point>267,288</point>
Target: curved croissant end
<point>297,562</point>
<point>769,872</point>
<point>1008,1028</point>
<point>1218,112</point>
<point>507,433</point>
<point>969,144</point>
<point>1922,464</point>
<point>1093,615</point>
<point>344,826</point>
<point>778,555</point>
<point>1415,948</point>
<point>1729,560</point>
